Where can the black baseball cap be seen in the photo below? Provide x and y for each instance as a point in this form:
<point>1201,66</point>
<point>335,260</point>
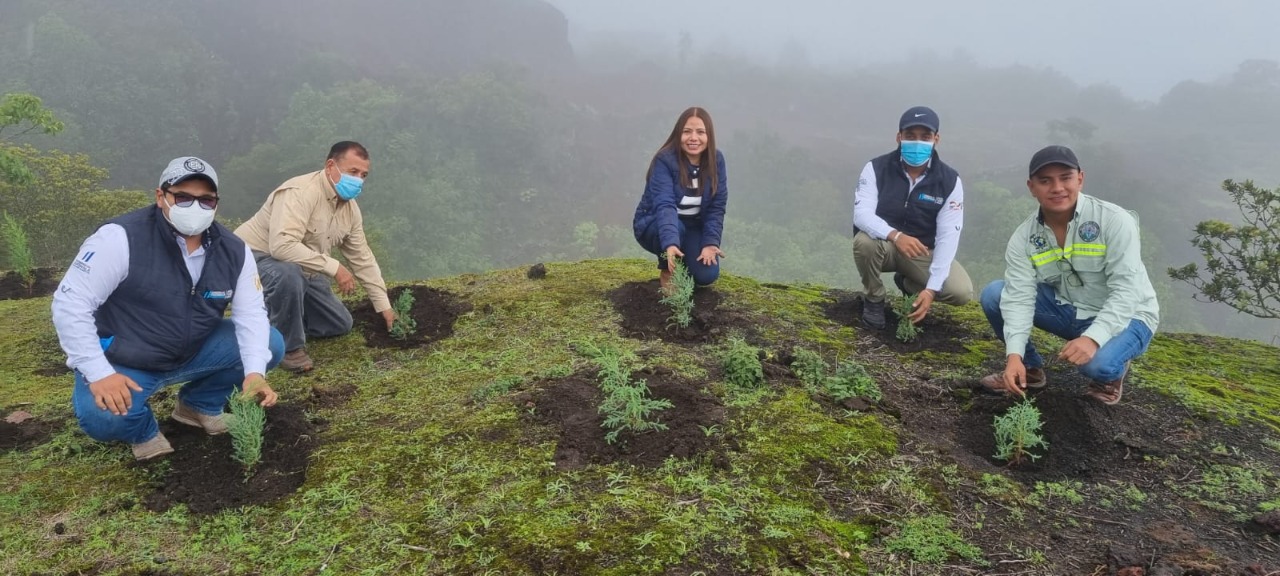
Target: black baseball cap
<point>1053,155</point>
<point>919,116</point>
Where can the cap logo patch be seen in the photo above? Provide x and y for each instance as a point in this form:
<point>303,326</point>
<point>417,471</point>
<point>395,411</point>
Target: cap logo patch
<point>1089,231</point>
<point>194,165</point>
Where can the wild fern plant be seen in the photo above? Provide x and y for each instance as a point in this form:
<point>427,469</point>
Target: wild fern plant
<point>1018,431</point>
<point>15,238</point>
<point>680,300</point>
<point>404,324</point>
<point>810,368</point>
<point>627,405</point>
<point>245,425</point>
<point>741,362</point>
<point>851,380</point>
<point>903,306</point>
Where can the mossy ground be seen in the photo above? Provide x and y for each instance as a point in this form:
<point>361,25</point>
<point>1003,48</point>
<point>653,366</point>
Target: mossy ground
<point>428,470</point>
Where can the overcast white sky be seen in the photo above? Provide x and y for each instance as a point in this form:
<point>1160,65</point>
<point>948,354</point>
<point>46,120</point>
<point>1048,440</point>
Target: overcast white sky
<point>1142,46</point>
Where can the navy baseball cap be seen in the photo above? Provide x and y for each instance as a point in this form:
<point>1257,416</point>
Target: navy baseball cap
<point>1053,155</point>
<point>185,168</point>
<point>919,116</point>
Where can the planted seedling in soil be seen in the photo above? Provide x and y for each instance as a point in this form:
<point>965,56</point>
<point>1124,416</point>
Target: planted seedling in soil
<point>627,405</point>
<point>851,380</point>
<point>903,306</point>
<point>15,238</point>
<point>1018,431</point>
<point>680,300</point>
<point>741,362</point>
<point>404,324</point>
<point>245,426</point>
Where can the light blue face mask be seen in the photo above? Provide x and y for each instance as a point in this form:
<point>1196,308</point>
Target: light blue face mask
<point>916,152</point>
<point>348,187</point>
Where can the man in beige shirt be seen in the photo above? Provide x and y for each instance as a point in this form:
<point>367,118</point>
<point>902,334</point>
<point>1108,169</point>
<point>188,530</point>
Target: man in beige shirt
<point>292,236</point>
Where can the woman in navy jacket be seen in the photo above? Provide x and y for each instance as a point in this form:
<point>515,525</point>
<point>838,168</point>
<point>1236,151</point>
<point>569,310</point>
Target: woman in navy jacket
<point>682,211</point>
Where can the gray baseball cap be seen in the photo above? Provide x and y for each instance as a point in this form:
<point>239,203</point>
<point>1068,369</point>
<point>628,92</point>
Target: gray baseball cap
<point>188,167</point>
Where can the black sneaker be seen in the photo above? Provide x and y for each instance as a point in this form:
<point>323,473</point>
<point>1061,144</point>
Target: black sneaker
<point>873,314</point>
<point>900,281</point>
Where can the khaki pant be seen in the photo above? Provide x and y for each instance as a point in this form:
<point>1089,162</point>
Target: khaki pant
<point>875,257</point>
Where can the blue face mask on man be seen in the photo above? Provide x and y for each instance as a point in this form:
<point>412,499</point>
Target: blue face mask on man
<point>916,152</point>
<point>348,186</point>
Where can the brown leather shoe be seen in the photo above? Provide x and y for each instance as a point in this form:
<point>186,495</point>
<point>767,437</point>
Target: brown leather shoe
<point>1108,393</point>
<point>156,446</point>
<point>994,383</point>
<point>212,425</point>
<point>297,361</point>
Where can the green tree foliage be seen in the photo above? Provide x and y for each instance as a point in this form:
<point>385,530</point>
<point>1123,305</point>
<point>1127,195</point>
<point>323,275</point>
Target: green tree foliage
<point>65,203</point>
<point>22,114</point>
<point>245,424</point>
<point>1018,432</point>
<point>904,305</point>
<point>1242,263</point>
<point>627,404</point>
<point>20,260</point>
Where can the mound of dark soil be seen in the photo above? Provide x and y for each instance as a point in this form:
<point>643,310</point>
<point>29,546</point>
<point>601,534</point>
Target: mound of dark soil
<point>434,310</point>
<point>202,474</point>
<point>645,318</point>
<point>939,332</point>
<point>1147,442</point>
<point>573,405</point>
<point>27,434</point>
<point>12,286</point>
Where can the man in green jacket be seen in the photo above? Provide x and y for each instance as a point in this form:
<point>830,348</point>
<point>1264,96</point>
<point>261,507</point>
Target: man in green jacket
<point>1073,269</point>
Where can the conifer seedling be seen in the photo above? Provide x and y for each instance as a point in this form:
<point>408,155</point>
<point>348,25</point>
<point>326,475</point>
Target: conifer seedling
<point>1018,431</point>
<point>245,425</point>
<point>404,324</point>
<point>903,306</point>
<point>680,300</point>
<point>15,238</point>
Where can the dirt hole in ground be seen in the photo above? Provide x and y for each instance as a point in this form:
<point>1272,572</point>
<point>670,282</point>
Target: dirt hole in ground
<point>202,474</point>
<point>939,333</point>
<point>331,396</point>
<point>13,287</point>
<point>26,432</point>
<point>434,310</point>
<point>645,318</point>
<point>572,404</point>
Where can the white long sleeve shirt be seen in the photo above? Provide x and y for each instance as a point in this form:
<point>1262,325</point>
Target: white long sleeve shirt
<point>950,222</point>
<point>99,268</point>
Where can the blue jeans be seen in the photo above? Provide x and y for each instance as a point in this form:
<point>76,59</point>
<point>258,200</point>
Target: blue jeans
<point>1060,320</point>
<point>210,378</point>
<point>690,244</point>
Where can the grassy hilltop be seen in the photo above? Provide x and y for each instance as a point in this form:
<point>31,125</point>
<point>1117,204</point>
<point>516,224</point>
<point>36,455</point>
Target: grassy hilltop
<point>480,451</point>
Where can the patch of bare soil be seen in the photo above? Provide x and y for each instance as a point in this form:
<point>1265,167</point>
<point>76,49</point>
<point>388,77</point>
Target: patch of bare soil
<point>21,431</point>
<point>939,332</point>
<point>1140,464</point>
<point>13,287</point>
<point>202,474</point>
<point>572,405</point>
<point>645,318</point>
<point>434,310</point>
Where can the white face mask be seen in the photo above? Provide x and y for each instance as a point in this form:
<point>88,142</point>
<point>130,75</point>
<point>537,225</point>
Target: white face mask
<point>189,220</point>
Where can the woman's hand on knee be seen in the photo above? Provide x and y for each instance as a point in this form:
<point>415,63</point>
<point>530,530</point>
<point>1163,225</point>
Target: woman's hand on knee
<point>711,255</point>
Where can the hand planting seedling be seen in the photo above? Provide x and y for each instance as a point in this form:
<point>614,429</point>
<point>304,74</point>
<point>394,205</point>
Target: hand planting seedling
<point>627,404</point>
<point>681,297</point>
<point>15,238</point>
<point>404,324</point>
<point>245,425</point>
<point>903,306</point>
<point>1017,431</point>
<point>851,380</point>
<point>741,361</point>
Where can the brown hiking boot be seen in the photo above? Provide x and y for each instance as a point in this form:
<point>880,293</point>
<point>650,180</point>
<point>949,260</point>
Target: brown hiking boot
<point>212,425</point>
<point>297,361</point>
<point>156,446</point>
<point>1108,393</point>
<point>994,383</point>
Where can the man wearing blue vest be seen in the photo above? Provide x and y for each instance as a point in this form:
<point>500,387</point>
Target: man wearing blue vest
<point>907,217</point>
<point>142,307</point>
<point>1073,269</point>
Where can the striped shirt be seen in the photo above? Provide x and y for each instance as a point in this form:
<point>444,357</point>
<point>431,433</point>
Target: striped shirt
<point>691,203</point>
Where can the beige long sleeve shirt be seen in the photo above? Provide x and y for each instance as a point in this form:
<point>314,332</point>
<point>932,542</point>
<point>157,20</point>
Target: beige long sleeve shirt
<point>303,220</point>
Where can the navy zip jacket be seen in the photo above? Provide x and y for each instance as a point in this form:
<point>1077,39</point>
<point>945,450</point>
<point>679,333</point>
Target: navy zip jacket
<point>662,196</point>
